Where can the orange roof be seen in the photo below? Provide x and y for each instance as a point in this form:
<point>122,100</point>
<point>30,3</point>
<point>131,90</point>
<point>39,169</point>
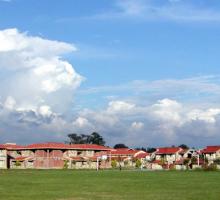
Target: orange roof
<point>168,150</point>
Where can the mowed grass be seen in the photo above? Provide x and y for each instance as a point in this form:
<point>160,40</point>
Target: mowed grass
<point>129,185</point>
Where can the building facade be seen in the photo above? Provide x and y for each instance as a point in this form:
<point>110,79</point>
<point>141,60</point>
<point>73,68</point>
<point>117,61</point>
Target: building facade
<point>53,156</point>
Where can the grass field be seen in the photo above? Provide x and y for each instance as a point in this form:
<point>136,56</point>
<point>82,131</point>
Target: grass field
<point>114,185</point>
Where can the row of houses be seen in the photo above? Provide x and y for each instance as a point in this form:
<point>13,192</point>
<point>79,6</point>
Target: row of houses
<point>90,156</point>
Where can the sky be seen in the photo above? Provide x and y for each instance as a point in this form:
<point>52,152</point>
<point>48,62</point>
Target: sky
<point>141,72</point>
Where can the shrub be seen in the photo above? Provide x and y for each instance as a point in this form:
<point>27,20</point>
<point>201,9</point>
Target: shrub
<point>17,163</point>
<point>65,165</point>
<point>114,164</point>
<point>138,163</point>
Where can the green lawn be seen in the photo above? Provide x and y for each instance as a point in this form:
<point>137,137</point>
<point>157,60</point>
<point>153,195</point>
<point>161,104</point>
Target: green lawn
<point>114,185</point>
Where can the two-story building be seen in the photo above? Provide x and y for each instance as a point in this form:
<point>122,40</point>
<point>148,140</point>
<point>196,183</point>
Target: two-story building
<point>211,153</point>
<point>53,156</point>
<point>126,157</point>
<point>168,154</point>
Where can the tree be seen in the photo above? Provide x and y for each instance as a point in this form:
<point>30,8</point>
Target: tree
<point>76,139</point>
<point>94,138</point>
<point>141,149</point>
<point>183,146</point>
<point>151,150</point>
<point>120,146</point>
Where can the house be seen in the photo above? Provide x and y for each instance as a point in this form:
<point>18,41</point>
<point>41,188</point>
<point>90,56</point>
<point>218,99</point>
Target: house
<point>126,157</point>
<point>5,155</point>
<point>178,158</point>
<point>168,154</point>
<point>55,156</point>
<point>211,153</point>
<point>165,157</point>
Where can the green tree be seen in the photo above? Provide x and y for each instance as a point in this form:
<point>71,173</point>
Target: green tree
<point>95,138</point>
<point>151,150</point>
<point>120,146</point>
<point>183,146</point>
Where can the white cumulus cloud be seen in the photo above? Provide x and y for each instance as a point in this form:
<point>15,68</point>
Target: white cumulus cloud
<point>34,70</point>
<point>37,84</point>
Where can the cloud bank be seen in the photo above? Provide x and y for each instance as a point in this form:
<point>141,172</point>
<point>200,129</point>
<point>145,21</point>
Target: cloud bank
<point>164,122</point>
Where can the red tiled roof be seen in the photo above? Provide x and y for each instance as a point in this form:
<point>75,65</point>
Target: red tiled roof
<point>52,145</point>
<point>124,152</point>
<point>168,150</point>
<point>90,146</point>
<point>210,149</point>
<point>11,146</point>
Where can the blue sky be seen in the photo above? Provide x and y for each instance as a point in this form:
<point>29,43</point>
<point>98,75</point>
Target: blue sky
<point>148,68</point>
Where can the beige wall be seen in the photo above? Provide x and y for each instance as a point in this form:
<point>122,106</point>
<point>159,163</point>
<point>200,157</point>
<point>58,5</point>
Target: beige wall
<point>3,159</point>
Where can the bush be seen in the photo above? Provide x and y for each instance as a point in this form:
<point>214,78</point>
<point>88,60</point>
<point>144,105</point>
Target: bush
<point>114,164</point>
<point>162,162</point>
<point>65,165</point>
<point>17,163</point>
<point>138,163</point>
